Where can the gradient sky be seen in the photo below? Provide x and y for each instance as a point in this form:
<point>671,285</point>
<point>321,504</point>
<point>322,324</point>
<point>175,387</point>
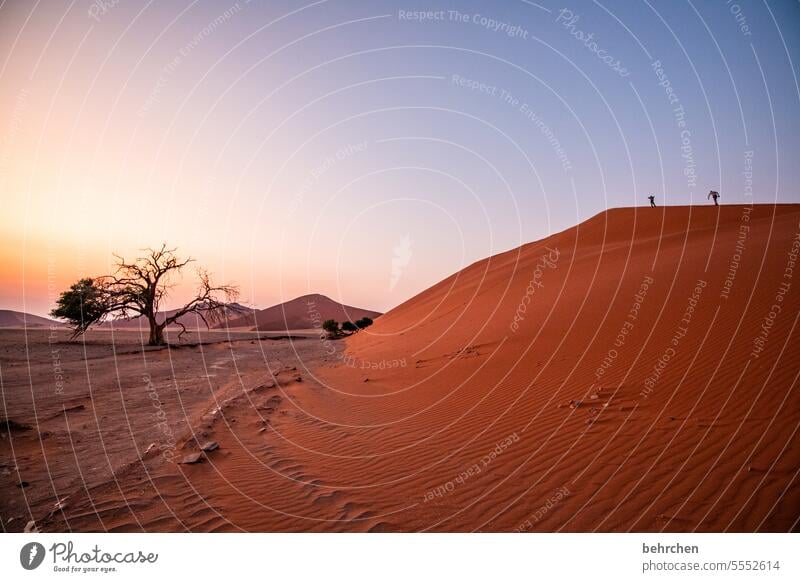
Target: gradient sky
<point>350,149</point>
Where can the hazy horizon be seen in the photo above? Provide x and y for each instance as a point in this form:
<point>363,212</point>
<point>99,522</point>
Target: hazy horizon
<point>173,302</point>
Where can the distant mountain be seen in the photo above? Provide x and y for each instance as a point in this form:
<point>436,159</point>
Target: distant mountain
<point>306,312</point>
<point>190,320</point>
<point>10,318</point>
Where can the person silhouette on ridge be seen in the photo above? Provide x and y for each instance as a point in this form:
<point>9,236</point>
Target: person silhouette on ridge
<point>652,200</point>
<point>715,196</point>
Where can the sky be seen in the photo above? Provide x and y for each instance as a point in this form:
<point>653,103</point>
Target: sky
<point>367,150</point>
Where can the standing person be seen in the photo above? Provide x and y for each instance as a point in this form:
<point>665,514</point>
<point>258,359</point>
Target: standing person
<point>715,196</point>
<point>652,200</point>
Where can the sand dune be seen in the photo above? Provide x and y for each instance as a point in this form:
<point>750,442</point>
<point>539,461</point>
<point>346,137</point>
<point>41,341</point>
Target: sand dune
<point>9,318</point>
<point>634,356</point>
<point>306,312</point>
<point>636,372</point>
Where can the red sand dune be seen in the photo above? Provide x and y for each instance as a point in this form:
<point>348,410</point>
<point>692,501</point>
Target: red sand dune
<point>656,321</point>
<point>636,372</point>
<point>306,312</point>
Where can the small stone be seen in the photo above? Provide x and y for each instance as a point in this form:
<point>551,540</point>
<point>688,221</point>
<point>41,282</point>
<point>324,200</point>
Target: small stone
<point>210,446</point>
<point>192,459</point>
<point>271,405</point>
<point>30,527</point>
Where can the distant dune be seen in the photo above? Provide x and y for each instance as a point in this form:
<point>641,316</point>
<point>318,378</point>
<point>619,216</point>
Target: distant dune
<point>306,312</point>
<point>10,318</point>
<point>191,320</point>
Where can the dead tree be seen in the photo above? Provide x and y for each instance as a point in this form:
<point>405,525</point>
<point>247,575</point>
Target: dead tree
<point>137,289</point>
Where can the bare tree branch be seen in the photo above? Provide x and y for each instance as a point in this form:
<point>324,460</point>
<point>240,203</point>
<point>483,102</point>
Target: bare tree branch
<point>137,288</point>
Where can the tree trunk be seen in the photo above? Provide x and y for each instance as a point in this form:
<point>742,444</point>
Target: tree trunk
<point>156,334</point>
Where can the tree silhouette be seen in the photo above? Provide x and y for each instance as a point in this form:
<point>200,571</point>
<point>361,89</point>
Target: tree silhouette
<point>137,289</point>
<point>363,322</point>
<point>331,327</point>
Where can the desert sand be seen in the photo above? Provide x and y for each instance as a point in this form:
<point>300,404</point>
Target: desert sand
<point>635,373</point>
